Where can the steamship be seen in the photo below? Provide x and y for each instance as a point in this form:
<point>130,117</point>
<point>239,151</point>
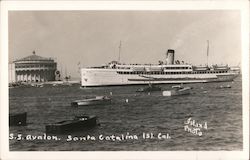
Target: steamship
<point>172,72</point>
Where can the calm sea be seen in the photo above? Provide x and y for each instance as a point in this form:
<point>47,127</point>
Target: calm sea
<point>146,122</point>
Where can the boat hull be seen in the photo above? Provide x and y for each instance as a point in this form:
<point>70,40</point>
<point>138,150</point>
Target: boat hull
<point>69,126</point>
<point>91,77</point>
<point>18,119</point>
<point>176,92</point>
<point>78,103</point>
<point>149,89</point>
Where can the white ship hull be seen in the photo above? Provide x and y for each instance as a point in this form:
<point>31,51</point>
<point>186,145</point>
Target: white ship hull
<point>110,77</point>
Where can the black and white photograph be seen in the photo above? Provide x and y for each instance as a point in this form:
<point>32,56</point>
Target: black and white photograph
<point>141,78</point>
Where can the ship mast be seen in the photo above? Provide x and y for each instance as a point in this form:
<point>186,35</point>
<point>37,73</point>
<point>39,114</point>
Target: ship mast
<point>120,46</point>
<point>207,51</point>
<point>61,71</point>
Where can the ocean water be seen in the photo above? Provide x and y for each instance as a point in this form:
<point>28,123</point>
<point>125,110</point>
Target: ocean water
<point>147,122</point>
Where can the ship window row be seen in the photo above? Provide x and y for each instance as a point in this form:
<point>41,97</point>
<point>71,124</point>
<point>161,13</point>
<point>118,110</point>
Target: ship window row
<point>205,72</point>
<point>123,67</point>
<point>159,68</point>
<point>33,66</point>
<point>149,68</point>
<point>157,73</point>
<point>178,68</point>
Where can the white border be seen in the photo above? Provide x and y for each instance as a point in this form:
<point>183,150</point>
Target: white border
<point>6,6</point>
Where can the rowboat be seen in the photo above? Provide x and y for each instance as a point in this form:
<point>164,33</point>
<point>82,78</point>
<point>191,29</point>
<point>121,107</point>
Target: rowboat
<point>79,123</point>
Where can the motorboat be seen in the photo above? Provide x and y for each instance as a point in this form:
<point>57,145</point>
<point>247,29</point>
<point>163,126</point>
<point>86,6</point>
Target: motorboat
<point>221,87</point>
<point>177,90</point>
<point>98,100</point>
<point>150,88</point>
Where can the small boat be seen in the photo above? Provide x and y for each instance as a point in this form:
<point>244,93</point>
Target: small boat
<point>221,87</point>
<point>36,85</point>
<point>177,90</point>
<point>92,101</point>
<point>79,123</point>
<point>66,84</point>
<point>150,88</point>
<point>18,119</point>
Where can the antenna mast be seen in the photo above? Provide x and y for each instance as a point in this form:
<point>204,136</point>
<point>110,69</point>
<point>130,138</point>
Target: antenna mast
<point>120,46</point>
<point>79,67</point>
<point>207,50</point>
<point>66,72</point>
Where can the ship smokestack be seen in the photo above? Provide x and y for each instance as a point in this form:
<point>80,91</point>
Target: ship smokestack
<point>170,56</point>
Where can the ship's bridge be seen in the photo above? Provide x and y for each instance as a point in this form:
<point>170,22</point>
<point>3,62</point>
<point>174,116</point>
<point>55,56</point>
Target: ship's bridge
<point>178,68</point>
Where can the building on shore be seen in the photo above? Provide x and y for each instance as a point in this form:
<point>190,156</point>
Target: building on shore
<point>34,68</point>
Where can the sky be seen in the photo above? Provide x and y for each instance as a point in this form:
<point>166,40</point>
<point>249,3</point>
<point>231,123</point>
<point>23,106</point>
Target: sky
<point>93,37</point>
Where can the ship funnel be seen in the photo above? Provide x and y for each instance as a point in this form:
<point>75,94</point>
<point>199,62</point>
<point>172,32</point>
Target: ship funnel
<point>170,56</point>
